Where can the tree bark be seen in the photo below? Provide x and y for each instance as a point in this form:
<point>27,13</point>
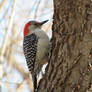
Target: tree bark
<point>70,66</point>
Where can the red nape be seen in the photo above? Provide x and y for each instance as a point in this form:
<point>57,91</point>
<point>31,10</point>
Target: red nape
<point>26,30</point>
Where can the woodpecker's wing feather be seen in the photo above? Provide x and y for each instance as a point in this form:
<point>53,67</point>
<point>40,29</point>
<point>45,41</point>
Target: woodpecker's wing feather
<point>30,48</point>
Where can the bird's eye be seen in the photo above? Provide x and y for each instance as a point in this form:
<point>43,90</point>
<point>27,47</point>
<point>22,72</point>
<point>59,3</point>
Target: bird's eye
<point>37,24</point>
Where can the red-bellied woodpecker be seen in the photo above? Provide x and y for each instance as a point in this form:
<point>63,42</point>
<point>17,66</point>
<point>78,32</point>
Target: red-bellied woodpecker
<point>36,47</point>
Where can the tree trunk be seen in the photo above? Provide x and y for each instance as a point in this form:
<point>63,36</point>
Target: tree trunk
<point>70,65</point>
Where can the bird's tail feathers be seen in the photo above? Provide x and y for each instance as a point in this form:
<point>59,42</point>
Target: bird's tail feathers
<point>35,82</point>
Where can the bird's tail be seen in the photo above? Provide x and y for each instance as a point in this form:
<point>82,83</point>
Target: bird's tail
<point>35,83</point>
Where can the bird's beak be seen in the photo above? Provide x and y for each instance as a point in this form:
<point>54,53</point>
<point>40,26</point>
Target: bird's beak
<point>43,22</point>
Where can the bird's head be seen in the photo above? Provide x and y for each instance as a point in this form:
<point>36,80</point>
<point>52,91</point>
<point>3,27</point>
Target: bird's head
<point>31,26</point>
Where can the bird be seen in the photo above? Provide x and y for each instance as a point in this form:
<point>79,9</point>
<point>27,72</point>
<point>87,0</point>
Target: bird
<point>36,47</point>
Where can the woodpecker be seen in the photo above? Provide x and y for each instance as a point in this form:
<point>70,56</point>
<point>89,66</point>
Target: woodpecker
<point>36,45</point>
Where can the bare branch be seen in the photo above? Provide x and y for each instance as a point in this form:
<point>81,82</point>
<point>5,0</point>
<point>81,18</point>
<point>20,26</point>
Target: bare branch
<point>8,31</point>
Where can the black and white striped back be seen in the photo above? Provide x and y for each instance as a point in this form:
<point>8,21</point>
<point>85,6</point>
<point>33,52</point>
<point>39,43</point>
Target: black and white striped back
<point>30,49</point>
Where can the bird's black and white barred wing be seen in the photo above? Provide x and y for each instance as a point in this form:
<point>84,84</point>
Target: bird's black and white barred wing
<point>30,48</point>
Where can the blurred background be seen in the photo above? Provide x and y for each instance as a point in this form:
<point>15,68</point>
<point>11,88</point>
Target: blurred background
<point>14,74</point>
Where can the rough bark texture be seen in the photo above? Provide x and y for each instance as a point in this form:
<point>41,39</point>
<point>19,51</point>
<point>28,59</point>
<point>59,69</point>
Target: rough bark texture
<point>70,65</point>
